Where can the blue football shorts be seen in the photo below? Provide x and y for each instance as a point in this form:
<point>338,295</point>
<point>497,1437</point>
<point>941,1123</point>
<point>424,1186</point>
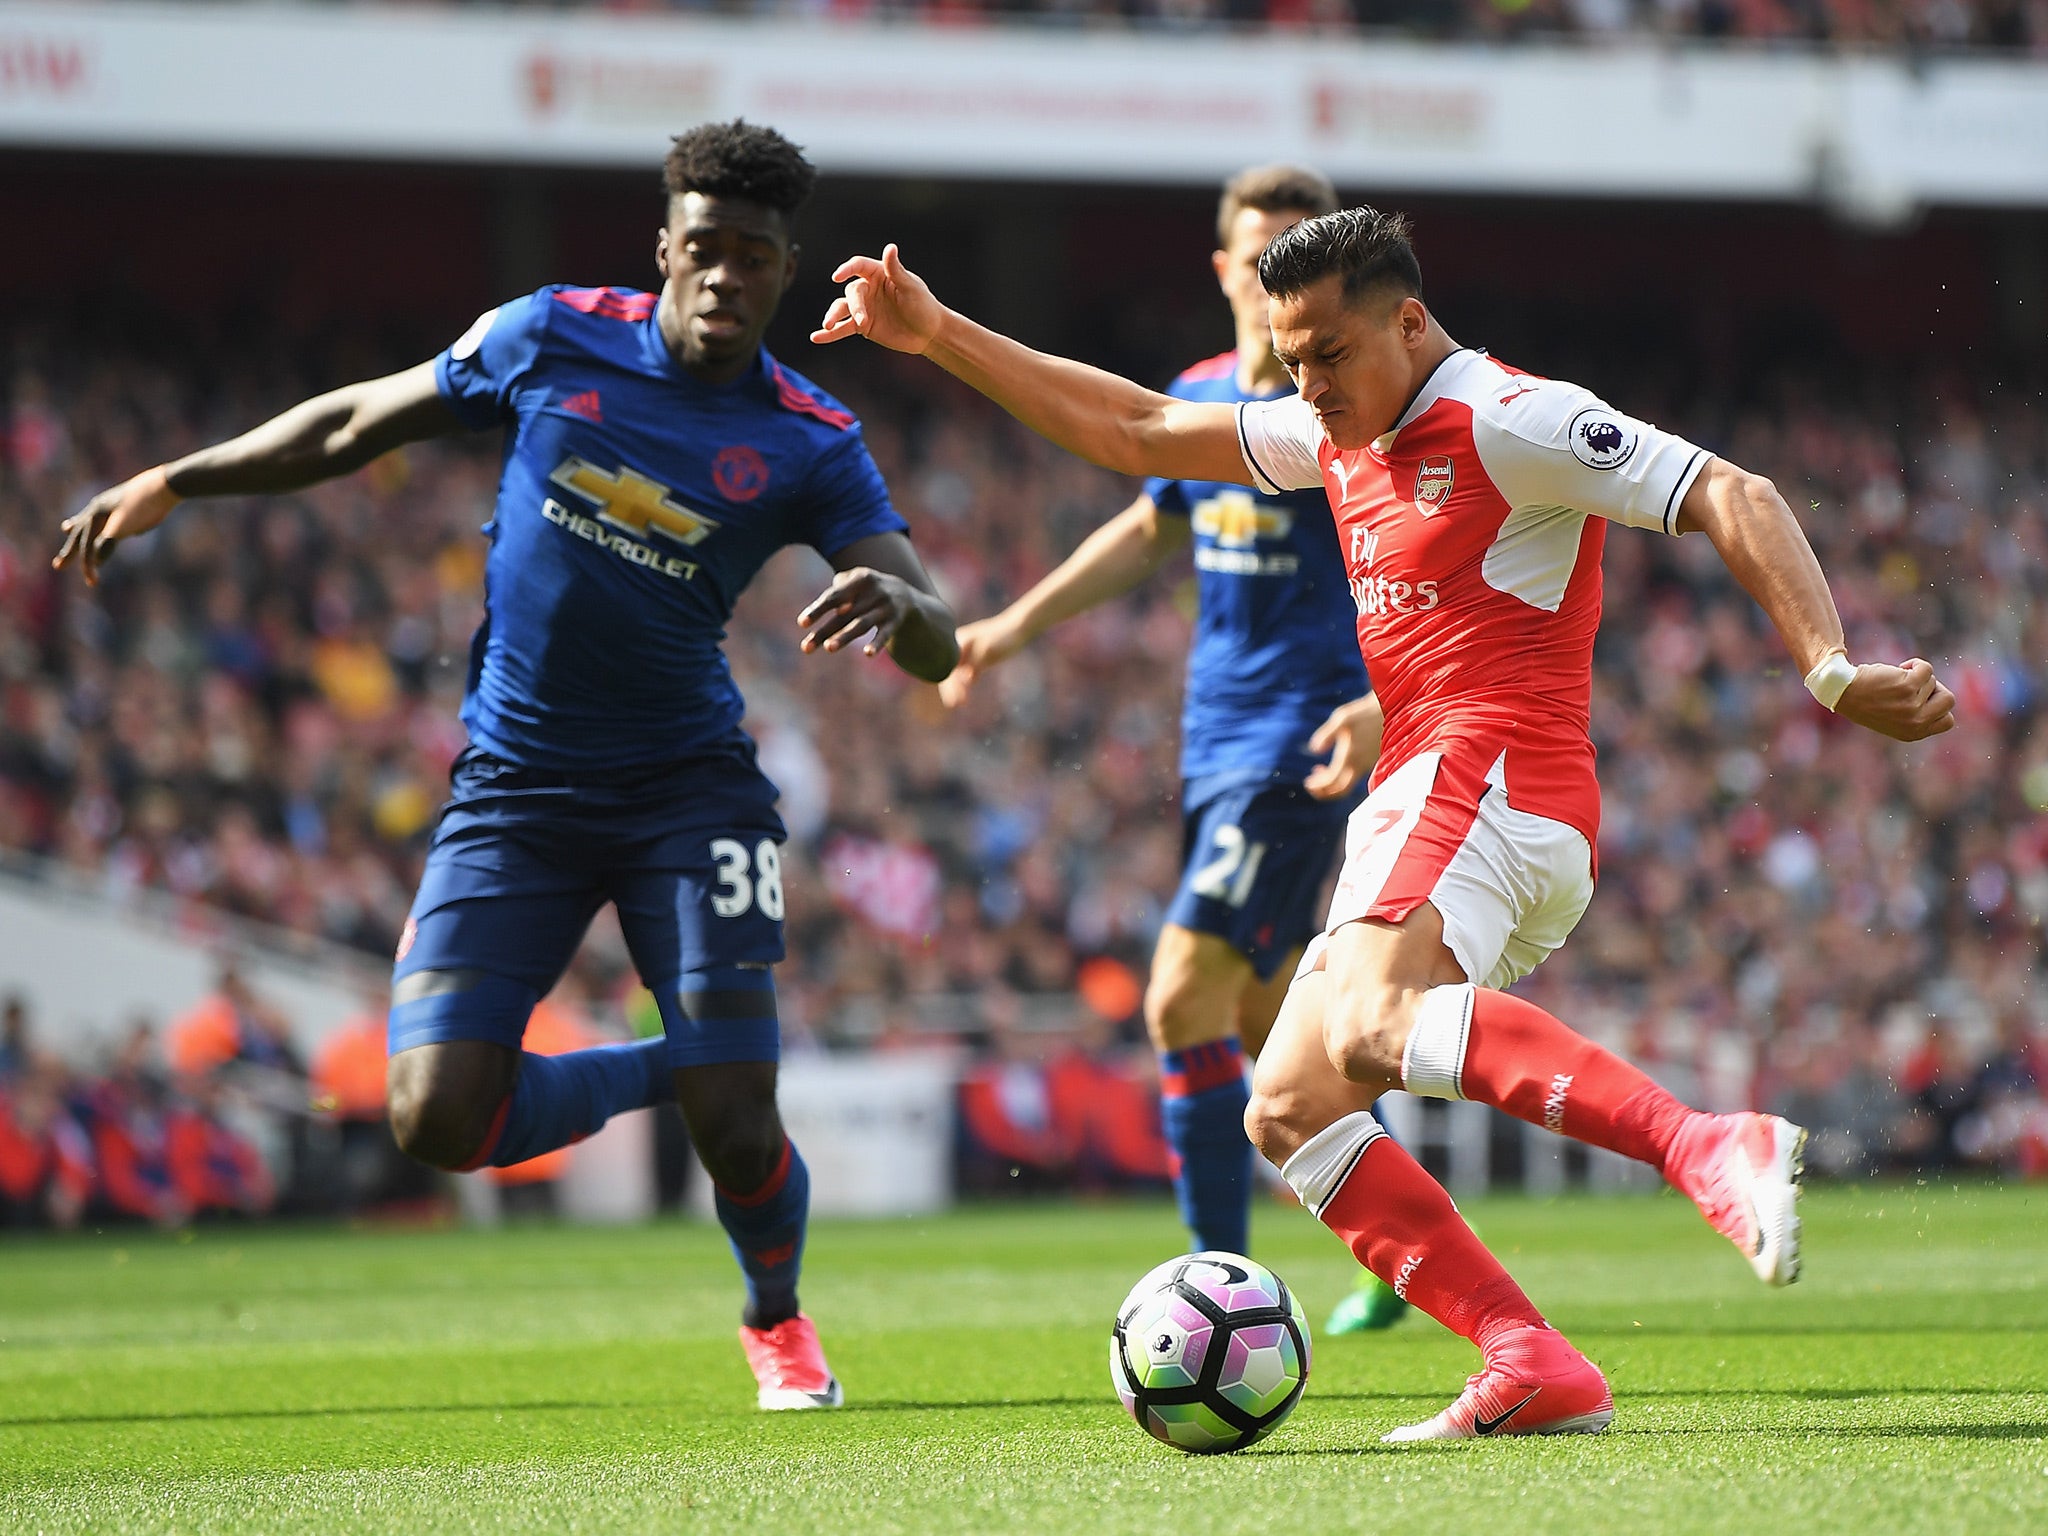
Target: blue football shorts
<point>1254,858</point>
<point>521,860</point>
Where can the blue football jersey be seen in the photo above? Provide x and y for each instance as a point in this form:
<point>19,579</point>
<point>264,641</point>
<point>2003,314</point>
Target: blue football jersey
<point>635,505</point>
<point>1276,632</point>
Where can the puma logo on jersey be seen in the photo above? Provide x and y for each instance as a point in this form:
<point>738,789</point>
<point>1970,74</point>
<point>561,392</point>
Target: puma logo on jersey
<point>1519,390</point>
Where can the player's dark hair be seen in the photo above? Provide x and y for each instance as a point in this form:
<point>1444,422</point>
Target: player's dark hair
<point>1279,188</point>
<point>740,160</point>
<point>1365,247</point>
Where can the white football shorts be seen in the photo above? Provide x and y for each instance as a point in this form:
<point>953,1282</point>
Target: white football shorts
<point>1510,886</point>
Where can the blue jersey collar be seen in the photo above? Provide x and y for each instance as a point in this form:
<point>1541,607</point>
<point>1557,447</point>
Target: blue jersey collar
<point>654,346</point>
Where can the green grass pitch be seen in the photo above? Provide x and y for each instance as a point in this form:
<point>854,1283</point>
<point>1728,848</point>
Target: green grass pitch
<point>551,1379</point>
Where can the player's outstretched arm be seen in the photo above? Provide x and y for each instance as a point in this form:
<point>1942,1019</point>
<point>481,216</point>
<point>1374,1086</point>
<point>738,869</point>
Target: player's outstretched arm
<point>1105,419</point>
<point>330,435</point>
<point>1766,550</point>
<point>882,586</point>
<point>1110,561</point>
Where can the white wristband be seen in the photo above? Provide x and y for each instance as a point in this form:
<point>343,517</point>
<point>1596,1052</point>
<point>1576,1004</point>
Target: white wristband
<point>1831,679</point>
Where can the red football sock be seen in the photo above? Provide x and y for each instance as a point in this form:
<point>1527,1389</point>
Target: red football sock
<point>1401,1225</point>
<point>1520,1059</point>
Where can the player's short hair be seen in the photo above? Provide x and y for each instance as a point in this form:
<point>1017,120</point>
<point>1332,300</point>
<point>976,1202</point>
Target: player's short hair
<point>1277,188</point>
<point>740,160</point>
<point>1367,248</point>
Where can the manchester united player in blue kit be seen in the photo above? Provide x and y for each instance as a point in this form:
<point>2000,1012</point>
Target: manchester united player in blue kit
<point>655,457</point>
<point>1273,682</point>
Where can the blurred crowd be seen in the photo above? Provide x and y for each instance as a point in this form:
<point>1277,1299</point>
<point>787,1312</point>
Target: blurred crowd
<point>1916,25</point>
<point>255,714</point>
<point>210,1121</point>
<point>220,1112</point>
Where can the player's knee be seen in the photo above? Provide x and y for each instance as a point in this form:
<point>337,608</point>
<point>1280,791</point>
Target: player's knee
<point>1180,1013</point>
<point>740,1150</point>
<point>1275,1111</point>
<point>434,1131</point>
<point>1365,1026</point>
<point>1273,1121</point>
<point>1263,1126</point>
<point>1191,997</point>
<point>434,1118</point>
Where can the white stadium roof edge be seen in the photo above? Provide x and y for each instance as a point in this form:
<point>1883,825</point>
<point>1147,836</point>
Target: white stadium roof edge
<point>1867,136</point>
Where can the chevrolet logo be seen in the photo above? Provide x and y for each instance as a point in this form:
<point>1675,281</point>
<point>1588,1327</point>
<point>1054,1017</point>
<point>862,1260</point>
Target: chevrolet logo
<point>631,501</point>
<point>1235,521</point>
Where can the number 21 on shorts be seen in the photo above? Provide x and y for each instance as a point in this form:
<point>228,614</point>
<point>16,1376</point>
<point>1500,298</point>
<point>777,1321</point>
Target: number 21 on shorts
<point>744,881</point>
<point>1229,876</point>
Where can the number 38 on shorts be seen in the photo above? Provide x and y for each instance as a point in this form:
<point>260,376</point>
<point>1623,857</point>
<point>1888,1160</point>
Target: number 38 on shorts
<point>747,881</point>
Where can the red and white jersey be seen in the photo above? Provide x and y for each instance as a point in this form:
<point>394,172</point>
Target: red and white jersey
<point>1473,533</point>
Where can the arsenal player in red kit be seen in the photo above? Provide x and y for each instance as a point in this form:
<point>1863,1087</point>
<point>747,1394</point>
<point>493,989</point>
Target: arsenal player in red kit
<point>1472,502</point>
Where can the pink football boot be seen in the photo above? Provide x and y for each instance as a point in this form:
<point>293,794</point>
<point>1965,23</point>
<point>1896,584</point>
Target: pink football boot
<point>1743,1172</point>
<point>789,1364</point>
<point>1534,1383</point>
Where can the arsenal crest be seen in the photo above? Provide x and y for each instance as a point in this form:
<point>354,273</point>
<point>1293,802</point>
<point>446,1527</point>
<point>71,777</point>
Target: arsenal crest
<point>1433,484</point>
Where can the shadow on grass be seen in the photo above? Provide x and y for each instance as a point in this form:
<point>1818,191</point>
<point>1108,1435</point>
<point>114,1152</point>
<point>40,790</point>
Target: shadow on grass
<point>1783,1433</point>
<point>1104,1401</point>
<point>958,1406</point>
<point>1799,1328</point>
<point>2031,1431</point>
<point>1686,1394</point>
<point>345,1410</point>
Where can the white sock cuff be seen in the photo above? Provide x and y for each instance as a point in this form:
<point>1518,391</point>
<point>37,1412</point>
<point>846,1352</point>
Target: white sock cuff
<point>1323,1162</point>
<point>1433,1065</point>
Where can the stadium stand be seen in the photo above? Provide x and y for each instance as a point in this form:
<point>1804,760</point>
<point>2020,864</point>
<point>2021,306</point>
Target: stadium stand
<point>1917,26</point>
<point>259,714</point>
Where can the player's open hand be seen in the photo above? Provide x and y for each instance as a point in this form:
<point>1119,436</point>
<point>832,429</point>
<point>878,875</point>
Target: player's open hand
<point>983,644</point>
<point>120,512</point>
<point>884,301</point>
<point>1352,738</point>
<point>859,600</point>
<point>1904,703</point>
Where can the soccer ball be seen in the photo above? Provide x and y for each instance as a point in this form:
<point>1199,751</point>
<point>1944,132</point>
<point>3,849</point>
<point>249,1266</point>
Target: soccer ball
<point>1209,1352</point>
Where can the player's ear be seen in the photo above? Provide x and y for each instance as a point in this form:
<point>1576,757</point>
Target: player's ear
<point>661,252</point>
<point>1414,321</point>
<point>789,264</point>
<point>1219,262</point>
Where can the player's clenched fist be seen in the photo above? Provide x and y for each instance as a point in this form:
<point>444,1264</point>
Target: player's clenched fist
<point>884,301</point>
<point>1904,703</point>
<point>121,512</point>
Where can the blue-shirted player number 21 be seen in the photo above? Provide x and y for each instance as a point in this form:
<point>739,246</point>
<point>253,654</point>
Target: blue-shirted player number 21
<point>1229,876</point>
<point>738,889</point>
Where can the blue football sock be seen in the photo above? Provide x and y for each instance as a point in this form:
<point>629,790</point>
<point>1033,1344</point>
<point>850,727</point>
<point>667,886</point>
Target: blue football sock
<point>560,1099</point>
<point>767,1232</point>
<point>1202,1100</point>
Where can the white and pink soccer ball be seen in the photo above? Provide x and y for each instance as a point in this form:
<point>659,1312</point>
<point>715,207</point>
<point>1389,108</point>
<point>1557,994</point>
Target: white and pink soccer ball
<point>1210,1352</point>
